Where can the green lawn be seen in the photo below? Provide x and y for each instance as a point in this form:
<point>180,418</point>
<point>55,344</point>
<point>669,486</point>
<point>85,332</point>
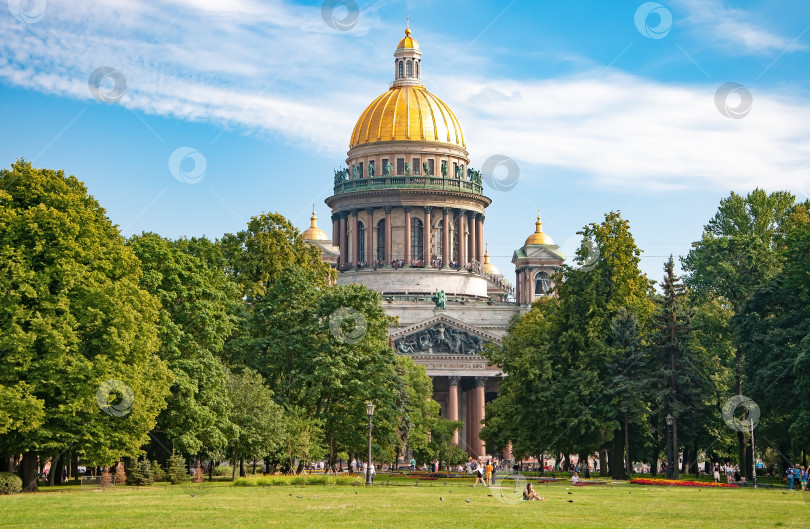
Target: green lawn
<point>403,506</point>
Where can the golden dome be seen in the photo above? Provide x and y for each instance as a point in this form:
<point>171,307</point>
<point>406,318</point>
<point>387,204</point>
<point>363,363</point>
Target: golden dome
<point>408,41</point>
<point>407,113</point>
<point>314,233</point>
<point>538,237</point>
<point>489,268</point>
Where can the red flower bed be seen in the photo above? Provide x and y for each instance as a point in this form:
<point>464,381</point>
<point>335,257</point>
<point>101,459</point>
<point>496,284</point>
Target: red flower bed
<point>681,483</point>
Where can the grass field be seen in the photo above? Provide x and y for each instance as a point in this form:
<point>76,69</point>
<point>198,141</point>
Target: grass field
<point>405,505</point>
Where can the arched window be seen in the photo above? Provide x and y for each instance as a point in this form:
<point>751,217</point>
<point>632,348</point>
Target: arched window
<point>542,284</point>
<point>417,240</point>
<point>381,240</point>
<point>409,69</point>
<point>400,68</point>
<point>361,242</point>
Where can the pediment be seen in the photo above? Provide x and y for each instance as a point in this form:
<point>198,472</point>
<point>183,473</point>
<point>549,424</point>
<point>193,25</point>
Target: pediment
<point>544,253</point>
<point>441,335</point>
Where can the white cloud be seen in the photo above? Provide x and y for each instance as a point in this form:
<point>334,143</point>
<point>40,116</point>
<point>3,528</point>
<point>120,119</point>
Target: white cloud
<point>735,28</point>
<point>280,70</point>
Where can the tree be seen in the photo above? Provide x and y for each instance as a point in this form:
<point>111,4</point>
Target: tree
<point>740,250</point>
<point>257,255</point>
<point>77,333</point>
<point>198,302</point>
<point>258,420</point>
<point>773,330</point>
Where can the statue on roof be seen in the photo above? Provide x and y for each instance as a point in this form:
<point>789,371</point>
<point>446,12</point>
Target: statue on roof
<point>444,168</point>
<point>371,168</point>
<point>407,168</point>
<point>426,168</point>
<point>388,168</point>
<point>440,299</point>
<point>354,172</point>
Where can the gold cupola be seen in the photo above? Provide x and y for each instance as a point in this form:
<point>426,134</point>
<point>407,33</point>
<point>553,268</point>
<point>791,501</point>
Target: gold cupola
<point>538,237</point>
<point>489,268</point>
<point>407,111</point>
<point>314,233</point>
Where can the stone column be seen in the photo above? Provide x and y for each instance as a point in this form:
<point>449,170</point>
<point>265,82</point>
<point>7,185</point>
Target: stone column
<point>479,232</point>
<point>355,244</point>
<point>531,285</point>
<point>452,403</point>
<point>517,286</point>
<point>344,252</point>
<point>478,415</point>
<point>472,239</point>
<point>462,239</point>
<point>407,245</point>
<point>388,235</point>
<point>445,237</point>
<point>335,230</point>
<point>426,236</point>
<point>468,421</point>
<point>370,228</point>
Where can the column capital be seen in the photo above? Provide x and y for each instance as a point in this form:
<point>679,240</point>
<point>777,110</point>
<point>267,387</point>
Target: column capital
<point>447,211</point>
<point>481,382</point>
<point>408,209</point>
<point>454,381</point>
<point>483,217</point>
<point>427,208</point>
<point>335,216</point>
<point>370,211</point>
<point>354,212</point>
<point>388,209</point>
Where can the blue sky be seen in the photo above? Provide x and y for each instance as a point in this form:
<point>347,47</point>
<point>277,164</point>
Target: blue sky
<point>600,108</point>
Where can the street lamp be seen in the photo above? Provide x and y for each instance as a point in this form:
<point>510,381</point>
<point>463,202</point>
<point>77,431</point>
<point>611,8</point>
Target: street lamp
<point>670,448</point>
<point>370,412</point>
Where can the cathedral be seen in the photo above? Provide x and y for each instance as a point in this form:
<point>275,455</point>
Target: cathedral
<point>408,218</point>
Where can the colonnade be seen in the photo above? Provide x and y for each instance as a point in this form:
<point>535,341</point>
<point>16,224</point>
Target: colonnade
<point>476,400</point>
<point>469,223</point>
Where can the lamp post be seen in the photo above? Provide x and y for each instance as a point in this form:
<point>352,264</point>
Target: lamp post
<point>670,448</point>
<point>370,412</point>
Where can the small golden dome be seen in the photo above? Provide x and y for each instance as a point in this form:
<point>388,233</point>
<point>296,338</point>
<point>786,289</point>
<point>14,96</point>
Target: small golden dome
<point>407,113</point>
<point>538,237</point>
<point>314,233</point>
<point>489,268</point>
<point>408,42</point>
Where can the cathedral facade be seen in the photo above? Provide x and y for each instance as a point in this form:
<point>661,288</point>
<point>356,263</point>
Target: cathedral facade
<point>408,220</point>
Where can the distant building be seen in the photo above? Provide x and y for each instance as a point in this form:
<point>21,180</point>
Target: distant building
<point>408,222</point>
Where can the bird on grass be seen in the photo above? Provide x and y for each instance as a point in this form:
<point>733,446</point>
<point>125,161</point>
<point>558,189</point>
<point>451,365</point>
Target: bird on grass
<point>570,501</point>
<point>569,492</point>
<point>441,499</point>
<point>468,501</point>
<point>299,497</point>
<point>357,493</point>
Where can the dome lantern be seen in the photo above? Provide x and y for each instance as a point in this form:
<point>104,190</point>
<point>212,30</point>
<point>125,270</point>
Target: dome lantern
<point>314,233</point>
<point>538,237</point>
<point>408,61</point>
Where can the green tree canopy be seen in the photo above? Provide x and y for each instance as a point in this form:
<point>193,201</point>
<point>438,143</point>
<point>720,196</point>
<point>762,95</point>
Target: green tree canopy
<point>73,321</point>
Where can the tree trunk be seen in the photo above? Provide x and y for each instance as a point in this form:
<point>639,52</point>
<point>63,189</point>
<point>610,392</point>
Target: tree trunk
<point>687,457</point>
<point>675,448</point>
<point>627,462</point>
<point>211,465</point>
<point>235,462</point>
<point>603,462</point>
<point>242,467</point>
<point>29,469</point>
<point>617,468</point>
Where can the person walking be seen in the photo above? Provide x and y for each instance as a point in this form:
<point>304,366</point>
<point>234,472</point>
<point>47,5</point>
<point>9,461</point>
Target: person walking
<point>803,477</point>
<point>489,474</point>
<point>716,473</point>
<point>413,464</point>
<point>790,478</point>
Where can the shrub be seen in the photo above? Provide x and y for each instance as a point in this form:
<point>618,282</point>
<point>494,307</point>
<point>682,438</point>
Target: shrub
<point>106,478</point>
<point>141,474</point>
<point>198,473</point>
<point>10,483</point>
<point>177,470</point>
<point>157,472</point>
<point>120,474</point>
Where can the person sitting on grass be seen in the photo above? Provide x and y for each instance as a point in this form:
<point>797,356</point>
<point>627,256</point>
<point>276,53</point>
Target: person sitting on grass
<point>531,494</point>
<point>575,478</point>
